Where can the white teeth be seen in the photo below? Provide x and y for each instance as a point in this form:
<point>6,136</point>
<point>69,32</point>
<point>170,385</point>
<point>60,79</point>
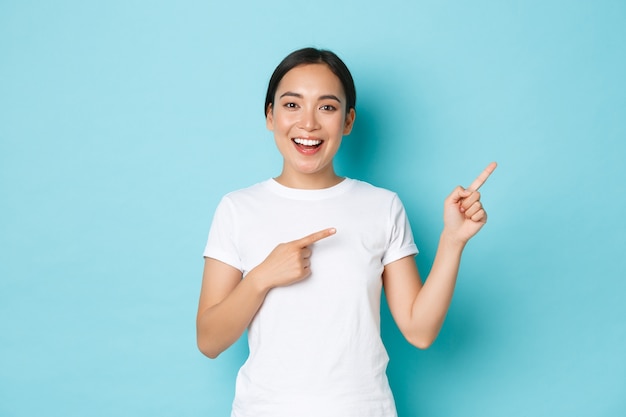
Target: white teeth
<point>307,142</point>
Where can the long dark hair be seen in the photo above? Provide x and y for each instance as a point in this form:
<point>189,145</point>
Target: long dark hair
<point>312,56</point>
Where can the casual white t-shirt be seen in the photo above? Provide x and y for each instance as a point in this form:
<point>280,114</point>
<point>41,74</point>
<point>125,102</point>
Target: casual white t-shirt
<point>315,346</point>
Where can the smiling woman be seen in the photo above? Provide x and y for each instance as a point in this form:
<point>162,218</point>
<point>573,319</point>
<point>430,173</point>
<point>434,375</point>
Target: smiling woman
<point>309,120</point>
<point>312,305</point>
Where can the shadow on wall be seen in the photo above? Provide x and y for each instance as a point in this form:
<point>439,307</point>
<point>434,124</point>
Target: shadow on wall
<point>357,157</point>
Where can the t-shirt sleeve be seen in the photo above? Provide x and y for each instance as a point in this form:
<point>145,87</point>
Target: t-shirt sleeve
<point>401,242</point>
<point>221,241</point>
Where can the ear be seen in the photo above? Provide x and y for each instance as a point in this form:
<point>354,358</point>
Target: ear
<point>269,117</point>
<point>350,116</point>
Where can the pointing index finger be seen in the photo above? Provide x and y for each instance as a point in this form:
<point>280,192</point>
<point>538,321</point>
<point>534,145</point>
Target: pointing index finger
<point>314,237</point>
<point>480,180</point>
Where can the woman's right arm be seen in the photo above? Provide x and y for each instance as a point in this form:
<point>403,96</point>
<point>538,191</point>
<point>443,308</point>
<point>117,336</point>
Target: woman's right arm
<point>226,307</point>
<point>228,303</point>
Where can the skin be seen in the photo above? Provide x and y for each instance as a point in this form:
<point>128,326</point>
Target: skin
<point>310,104</point>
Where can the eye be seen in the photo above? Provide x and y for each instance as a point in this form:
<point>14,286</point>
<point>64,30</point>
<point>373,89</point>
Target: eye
<point>328,107</point>
<point>290,105</point>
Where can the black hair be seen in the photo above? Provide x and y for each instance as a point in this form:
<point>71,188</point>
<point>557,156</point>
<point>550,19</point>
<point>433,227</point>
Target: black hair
<point>306,56</point>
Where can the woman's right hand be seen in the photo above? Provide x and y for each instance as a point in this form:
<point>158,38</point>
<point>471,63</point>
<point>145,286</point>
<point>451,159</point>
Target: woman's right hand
<point>228,303</point>
<point>289,262</point>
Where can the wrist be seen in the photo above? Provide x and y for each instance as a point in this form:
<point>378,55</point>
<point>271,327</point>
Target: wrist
<point>450,240</point>
<point>258,281</point>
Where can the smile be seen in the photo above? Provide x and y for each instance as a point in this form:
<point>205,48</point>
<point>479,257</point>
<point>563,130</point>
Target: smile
<point>307,142</point>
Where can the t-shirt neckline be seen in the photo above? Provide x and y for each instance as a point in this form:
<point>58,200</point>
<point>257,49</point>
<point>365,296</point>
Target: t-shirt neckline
<point>305,194</point>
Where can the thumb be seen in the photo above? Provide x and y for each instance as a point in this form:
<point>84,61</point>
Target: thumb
<point>458,194</point>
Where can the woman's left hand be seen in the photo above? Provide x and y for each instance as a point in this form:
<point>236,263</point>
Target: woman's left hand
<point>464,214</point>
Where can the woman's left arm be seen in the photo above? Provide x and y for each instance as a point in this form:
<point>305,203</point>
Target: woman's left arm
<point>420,309</point>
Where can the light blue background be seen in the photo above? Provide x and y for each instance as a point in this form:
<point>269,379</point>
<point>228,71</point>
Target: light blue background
<point>122,123</point>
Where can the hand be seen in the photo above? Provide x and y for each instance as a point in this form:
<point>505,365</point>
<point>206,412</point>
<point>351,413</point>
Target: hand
<point>464,214</point>
<point>289,262</point>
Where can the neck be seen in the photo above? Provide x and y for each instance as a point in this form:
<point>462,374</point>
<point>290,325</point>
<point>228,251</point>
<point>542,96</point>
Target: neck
<point>309,181</point>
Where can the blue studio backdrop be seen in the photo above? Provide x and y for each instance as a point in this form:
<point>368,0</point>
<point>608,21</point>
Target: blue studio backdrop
<point>122,123</point>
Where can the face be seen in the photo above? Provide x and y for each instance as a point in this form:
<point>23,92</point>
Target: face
<point>309,119</point>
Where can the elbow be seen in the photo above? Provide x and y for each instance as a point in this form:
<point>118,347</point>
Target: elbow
<point>206,341</point>
<point>422,344</point>
<point>208,349</point>
<point>422,335</point>
<point>422,341</point>
<point>211,355</point>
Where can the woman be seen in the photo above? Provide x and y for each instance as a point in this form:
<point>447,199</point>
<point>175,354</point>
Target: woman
<point>300,261</point>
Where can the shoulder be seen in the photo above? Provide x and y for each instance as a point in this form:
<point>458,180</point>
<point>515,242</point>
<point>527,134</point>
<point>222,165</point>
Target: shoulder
<point>372,191</point>
<point>381,201</point>
<point>253,191</point>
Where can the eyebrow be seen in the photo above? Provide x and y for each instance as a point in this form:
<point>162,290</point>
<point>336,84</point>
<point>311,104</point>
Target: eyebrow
<point>322,97</point>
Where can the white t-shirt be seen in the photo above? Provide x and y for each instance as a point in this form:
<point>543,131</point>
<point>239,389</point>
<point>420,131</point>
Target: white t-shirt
<point>315,346</point>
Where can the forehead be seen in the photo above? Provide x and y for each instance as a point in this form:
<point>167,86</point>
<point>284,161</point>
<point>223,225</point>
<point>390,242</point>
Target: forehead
<point>313,78</point>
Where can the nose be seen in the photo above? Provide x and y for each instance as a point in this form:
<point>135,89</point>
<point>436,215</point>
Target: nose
<point>309,120</point>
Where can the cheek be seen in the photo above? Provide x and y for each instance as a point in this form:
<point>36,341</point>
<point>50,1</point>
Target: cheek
<point>339,124</point>
<point>284,120</point>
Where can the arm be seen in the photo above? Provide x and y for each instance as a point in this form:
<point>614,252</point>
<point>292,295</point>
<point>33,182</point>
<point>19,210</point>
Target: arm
<point>228,303</point>
<point>226,307</point>
<point>420,310</point>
